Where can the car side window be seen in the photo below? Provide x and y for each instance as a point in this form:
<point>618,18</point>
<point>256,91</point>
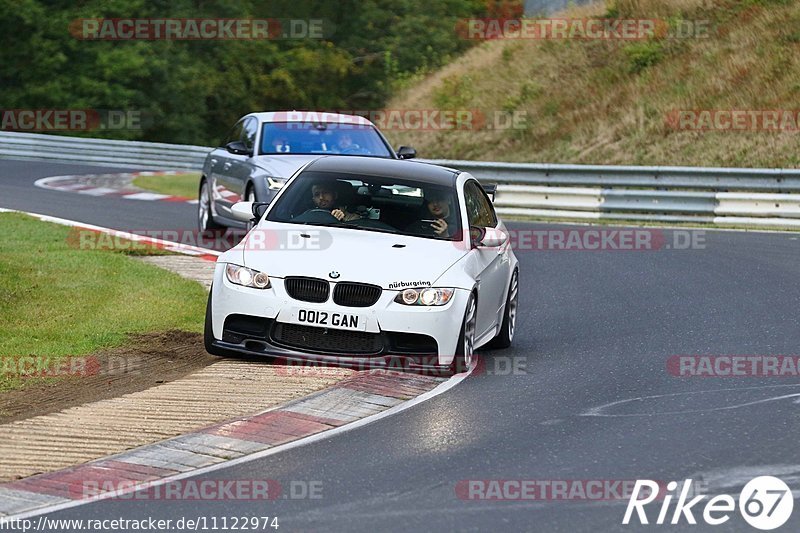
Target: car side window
<point>480,212</point>
<point>235,134</point>
<point>249,133</point>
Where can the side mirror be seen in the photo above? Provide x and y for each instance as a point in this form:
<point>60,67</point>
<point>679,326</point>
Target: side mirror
<point>249,211</point>
<point>237,148</point>
<point>476,235</point>
<point>487,237</point>
<point>258,210</point>
<point>406,152</point>
<point>242,211</point>
<point>490,190</point>
<point>493,238</point>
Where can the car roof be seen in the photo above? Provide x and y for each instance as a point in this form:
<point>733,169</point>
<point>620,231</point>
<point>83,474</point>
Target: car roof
<point>314,117</point>
<point>378,166</point>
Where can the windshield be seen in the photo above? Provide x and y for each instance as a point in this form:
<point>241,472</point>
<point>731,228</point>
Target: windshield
<point>308,138</point>
<point>373,203</point>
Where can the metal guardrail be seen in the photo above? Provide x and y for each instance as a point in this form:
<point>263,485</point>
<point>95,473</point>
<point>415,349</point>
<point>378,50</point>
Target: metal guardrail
<point>129,154</point>
<point>724,196</point>
<point>734,179</point>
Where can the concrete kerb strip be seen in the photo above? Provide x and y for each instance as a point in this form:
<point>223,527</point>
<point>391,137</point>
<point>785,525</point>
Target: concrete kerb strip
<point>351,403</point>
<point>119,185</point>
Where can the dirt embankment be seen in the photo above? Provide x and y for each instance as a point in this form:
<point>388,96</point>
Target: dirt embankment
<point>146,361</point>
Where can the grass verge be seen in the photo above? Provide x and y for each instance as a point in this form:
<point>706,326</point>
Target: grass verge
<point>184,185</point>
<point>59,301</point>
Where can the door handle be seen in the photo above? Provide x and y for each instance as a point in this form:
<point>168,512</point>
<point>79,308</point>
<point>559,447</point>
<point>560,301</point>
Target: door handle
<point>214,161</point>
<point>226,166</point>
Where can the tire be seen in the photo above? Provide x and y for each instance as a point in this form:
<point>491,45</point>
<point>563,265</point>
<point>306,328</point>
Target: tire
<point>466,338</point>
<point>507,328</point>
<point>205,222</point>
<point>208,330</point>
<point>250,196</point>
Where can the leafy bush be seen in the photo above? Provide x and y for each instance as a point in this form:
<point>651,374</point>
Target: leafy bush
<point>192,91</point>
<point>641,55</point>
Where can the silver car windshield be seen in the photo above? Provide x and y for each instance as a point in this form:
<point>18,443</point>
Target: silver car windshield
<point>372,203</point>
<point>307,138</point>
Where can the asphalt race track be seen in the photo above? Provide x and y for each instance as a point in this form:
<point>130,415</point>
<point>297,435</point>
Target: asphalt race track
<point>18,192</point>
<point>595,328</point>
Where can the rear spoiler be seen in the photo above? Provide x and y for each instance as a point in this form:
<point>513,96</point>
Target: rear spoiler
<point>490,190</point>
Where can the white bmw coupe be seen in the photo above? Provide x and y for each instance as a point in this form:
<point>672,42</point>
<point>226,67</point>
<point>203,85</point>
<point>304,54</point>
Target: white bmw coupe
<point>366,262</point>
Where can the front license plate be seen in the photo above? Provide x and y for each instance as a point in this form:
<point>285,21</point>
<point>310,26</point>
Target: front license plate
<point>328,319</point>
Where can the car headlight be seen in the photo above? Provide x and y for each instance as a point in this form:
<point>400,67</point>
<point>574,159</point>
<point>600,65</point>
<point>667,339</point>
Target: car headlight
<point>275,183</point>
<point>247,277</point>
<point>426,296</point>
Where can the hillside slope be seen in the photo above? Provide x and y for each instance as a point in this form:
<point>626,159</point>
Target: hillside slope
<point>615,102</point>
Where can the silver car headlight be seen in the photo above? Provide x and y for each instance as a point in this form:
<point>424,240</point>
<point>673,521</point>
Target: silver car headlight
<point>276,183</point>
<point>246,277</point>
<point>425,296</point>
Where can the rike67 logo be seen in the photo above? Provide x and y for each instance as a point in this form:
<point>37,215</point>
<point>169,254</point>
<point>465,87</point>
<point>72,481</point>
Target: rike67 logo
<point>765,503</point>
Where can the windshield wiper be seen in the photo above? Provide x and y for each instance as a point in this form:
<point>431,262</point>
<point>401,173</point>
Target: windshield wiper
<point>368,228</point>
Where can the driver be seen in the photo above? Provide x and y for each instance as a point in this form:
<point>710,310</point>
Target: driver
<point>345,144</point>
<point>324,197</point>
<point>280,145</point>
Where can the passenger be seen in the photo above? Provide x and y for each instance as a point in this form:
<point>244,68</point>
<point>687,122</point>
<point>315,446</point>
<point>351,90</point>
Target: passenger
<point>443,221</point>
<point>325,197</point>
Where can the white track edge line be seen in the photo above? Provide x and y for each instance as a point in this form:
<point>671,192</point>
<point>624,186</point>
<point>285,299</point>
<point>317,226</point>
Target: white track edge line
<point>436,391</point>
<point>600,223</point>
<point>174,246</point>
<point>44,183</point>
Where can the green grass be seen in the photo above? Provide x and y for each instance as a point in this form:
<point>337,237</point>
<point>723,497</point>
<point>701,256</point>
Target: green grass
<point>57,300</point>
<point>185,185</point>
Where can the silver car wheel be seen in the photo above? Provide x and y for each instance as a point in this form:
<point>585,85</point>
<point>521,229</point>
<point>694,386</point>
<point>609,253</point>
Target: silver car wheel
<point>250,197</point>
<point>469,331</point>
<point>203,207</point>
<point>513,298</point>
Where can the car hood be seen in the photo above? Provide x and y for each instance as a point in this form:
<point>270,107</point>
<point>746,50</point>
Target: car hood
<point>388,260</point>
<point>284,165</point>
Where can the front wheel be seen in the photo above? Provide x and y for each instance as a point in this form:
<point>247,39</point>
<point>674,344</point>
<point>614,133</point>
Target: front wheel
<point>205,222</point>
<point>250,197</point>
<point>506,335</point>
<point>466,340</point>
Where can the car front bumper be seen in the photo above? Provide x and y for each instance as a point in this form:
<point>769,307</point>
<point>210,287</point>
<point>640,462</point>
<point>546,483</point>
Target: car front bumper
<point>248,321</point>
